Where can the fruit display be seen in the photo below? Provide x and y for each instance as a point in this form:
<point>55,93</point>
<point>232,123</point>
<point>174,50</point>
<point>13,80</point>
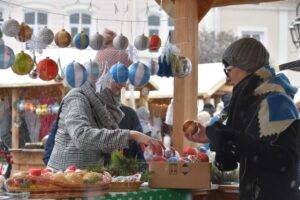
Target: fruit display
<point>45,180</point>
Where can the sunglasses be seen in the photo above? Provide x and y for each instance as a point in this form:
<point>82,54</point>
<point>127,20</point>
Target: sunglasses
<point>227,71</point>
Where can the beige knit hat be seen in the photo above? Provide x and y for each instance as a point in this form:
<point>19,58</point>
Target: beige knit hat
<point>247,54</point>
<point>109,36</point>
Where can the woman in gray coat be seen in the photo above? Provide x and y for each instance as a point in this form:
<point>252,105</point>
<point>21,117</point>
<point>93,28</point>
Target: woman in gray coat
<point>88,126</point>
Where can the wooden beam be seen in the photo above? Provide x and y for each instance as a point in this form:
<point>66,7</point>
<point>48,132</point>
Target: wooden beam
<point>186,89</point>
<point>15,115</point>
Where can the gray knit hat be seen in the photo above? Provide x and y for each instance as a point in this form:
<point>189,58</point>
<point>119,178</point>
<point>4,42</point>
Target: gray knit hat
<point>247,54</point>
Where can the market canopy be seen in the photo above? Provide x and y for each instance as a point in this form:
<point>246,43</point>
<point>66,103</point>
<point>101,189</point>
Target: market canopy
<point>9,79</point>
<point>168,5</point>
<point>211,78</point>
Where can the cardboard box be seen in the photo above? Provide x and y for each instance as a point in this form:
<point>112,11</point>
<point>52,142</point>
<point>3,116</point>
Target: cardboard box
<point>180,175</point>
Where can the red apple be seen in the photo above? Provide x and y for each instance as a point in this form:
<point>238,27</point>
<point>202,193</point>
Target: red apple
<point>34,172</point>
<point>203,157</point>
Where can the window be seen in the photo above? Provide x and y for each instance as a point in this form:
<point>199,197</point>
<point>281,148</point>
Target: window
<point>258,35</point>
<point>153,24</point>
<point>80,22</point>
<point>36,20</point>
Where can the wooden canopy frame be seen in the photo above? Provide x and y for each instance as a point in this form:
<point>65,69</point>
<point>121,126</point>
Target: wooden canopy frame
<point>187,14</point>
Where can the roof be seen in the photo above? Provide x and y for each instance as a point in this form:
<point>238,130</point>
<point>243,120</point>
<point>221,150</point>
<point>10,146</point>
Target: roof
<point>210,78</point>
<point>168,6</point>
<point>11,80</point>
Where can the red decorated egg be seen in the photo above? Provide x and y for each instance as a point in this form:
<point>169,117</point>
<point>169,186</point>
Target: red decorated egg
<point>189,151</point>
<point>47,69</point>
<point>155,43</point>
<point>203,157</point>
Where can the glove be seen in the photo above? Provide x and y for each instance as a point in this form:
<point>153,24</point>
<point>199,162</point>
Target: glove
<point>221,137</point>
<point>225,161</point>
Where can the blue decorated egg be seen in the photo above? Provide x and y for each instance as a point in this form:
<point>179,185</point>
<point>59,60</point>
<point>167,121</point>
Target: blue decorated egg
<point>81,40</point>
<point>75,74</point>
<point>7,57</point>
<point>139,74</point>
<point>93,71</point>
<point>119,72</point>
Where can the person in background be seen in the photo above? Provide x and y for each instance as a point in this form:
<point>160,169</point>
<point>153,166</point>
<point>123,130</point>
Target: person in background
<point>131,121</point>
<point>262,127</point>
<point>88,123</point>
<point>143,112</point>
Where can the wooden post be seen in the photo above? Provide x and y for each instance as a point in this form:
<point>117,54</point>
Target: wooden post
<point>14,115</point>
<point>187,14</point>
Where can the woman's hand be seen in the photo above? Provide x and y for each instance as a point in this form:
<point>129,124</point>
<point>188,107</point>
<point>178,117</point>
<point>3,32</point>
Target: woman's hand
<point>143,139</point>
<point>199,137</point>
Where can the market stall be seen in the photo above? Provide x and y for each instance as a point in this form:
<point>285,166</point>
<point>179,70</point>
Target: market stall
<point>23,95</point>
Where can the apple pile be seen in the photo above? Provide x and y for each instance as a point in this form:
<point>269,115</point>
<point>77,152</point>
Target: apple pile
<point>45,178</point>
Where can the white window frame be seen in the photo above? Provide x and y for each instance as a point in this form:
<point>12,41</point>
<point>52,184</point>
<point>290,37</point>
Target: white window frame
<point>80,26</point>
<point>36,27</point>
<point>154,27</point>
<point>262,31</point>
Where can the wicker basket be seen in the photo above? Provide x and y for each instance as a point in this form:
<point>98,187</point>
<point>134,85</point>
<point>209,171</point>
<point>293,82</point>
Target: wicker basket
<point>125,186</point>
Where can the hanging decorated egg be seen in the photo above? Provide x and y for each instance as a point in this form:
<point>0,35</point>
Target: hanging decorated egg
<point>155,43</point>
<point>97,41</point>
<point>185,67</point>
<point>119,73</point>
<point>75,74</point>
<point>7,57</point>
<point>93,71</point>
<point>139,74</point>
<point>33,74</point>
<point>81,40</point>
<point>62,38</point>
<point>11,27</point>
<point>58,78</point>
<point>120,42</point>
<point>141,42</point>
<point>21,106</point>
<point>153,65</point>
<point>45,35</point>
<point>23,64</point>
<point>25,33</point>
<point>47,69</point>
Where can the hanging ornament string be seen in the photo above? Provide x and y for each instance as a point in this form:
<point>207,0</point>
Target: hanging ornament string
<point>67,15</point>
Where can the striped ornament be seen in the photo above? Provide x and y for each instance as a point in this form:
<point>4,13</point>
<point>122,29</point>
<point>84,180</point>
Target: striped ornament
<point>62,38</point>
<point>119,73</point>
<point>75,74</point>
<point>81,40</point>
<point>153,65</point>
<point>120,42</point>
<point>141,42</point>
<point>23,64</point>
<point>97,41</point>
<point>139,74</point>
<point>25,33</point>
<point>7,57</point>
<point>93,71</point>
<point>45,36</point>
